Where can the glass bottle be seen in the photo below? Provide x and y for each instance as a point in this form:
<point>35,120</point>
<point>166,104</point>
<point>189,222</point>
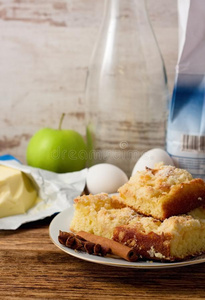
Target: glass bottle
<point>126,88</point>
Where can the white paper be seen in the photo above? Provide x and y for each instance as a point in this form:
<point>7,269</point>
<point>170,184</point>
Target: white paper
<point>57,192</point>
<point>191,37</point>
<point>183,13</point>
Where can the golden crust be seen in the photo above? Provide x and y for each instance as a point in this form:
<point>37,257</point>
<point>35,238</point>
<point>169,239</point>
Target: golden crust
<point>151,246</point>
<point>176,238</point>
<point>163,192</point>
<point>184,198</point>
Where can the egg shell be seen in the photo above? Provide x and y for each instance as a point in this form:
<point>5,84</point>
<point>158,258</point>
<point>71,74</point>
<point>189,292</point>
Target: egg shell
<point>150,158</point>
<point>105,178</point>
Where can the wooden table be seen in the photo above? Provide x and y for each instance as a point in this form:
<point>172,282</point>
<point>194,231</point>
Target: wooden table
<point>32,267</point>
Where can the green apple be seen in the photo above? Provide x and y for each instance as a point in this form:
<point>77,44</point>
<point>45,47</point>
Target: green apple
<point>57,150</point>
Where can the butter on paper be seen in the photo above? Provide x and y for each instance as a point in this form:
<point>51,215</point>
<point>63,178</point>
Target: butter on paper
<point>57,192</point>
<point>17,192</point>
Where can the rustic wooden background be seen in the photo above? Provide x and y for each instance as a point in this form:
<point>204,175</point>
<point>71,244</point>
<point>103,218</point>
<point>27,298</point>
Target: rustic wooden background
<point>45,47</point>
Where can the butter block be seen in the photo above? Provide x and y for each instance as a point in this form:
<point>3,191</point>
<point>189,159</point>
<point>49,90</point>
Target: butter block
<point>17,192</point>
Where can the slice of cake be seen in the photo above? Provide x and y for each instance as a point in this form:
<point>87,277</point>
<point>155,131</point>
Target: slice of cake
<point>99,214</point>
<point>163,192</point>
<point>176,238</point>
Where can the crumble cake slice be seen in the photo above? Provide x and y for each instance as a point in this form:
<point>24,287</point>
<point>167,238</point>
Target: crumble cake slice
<point>163,192</point>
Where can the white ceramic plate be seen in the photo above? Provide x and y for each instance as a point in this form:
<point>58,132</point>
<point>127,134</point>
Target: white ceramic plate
<point>62,222</point>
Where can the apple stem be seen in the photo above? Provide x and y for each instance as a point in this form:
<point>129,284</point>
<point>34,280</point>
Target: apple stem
<point>61,121</point>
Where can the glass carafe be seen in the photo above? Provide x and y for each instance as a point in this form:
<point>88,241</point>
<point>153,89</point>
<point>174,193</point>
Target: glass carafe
<point>126,89</point>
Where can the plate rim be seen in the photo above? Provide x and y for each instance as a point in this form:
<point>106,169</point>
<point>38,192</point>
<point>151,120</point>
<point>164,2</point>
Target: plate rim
<point>60,218</point>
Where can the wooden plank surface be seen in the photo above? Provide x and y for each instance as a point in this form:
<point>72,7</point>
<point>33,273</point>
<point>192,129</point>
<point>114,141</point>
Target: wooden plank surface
<point>31,267</point>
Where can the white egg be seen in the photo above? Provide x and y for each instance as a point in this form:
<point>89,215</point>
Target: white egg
<point>150,158</point>
<point>105,178</point>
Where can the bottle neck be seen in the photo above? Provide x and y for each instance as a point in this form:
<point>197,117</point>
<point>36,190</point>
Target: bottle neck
<point>125,9</point>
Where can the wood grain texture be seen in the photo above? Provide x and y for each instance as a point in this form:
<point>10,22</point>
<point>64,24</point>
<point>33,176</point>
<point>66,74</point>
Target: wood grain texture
<point>44,56</point>
<point>33,268</point>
